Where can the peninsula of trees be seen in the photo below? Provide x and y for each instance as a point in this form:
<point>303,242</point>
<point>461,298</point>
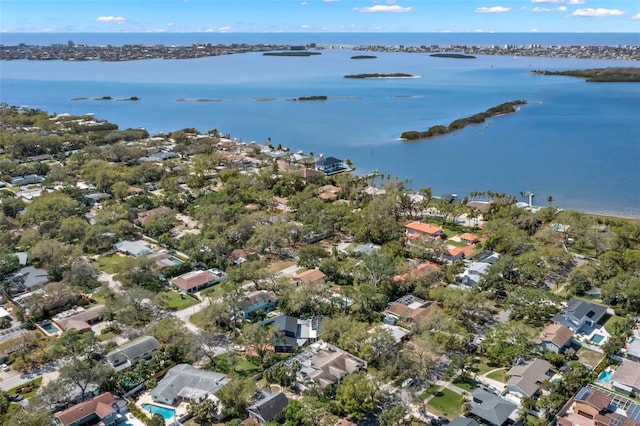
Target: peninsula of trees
<point>364,57</point>
<point>376,75</point>
<point>452,55</point>
<point>439,129</point>
<point>600,75</point>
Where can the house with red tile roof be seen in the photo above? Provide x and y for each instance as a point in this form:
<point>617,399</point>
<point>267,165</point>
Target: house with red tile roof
<point>469,238</point>
<point>457,253</point>
<point>197,280</point>
<point>417,272</point>
<point>100,410</point>
<point>416,229</point>
<point>309,276</point>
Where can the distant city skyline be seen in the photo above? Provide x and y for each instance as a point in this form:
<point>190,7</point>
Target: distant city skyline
<point>271,16</point>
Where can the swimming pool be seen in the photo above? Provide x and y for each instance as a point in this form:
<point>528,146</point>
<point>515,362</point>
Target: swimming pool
<point>633,339</point>
<point>49,328</point>
<point>166,413</point>
<point>605,376</point>
<point>597,338</point>
<point>175,260</point>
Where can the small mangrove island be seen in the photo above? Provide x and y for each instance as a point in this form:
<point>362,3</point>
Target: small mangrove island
<point>452,55</point>
<point>364,57</point>
<point>394,75</point>
<point>295,53</point>
<point>311,98</point>
<point>437,130</point>
<point>600,75</point>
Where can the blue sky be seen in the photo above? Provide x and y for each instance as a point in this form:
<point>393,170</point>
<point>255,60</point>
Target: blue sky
<point>320,16</point>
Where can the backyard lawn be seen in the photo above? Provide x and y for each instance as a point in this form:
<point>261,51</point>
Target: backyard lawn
<point>175,301</point>
<point>108,263</point>
<point>213,292</point>
<point>235,363</point>
<point>611,322</point>
<point>447,403</point>
<point>587,356</point>
<point>499,375</point>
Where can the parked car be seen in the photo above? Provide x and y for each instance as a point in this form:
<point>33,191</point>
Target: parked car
<point>5,367</point>
<point>15,397</point>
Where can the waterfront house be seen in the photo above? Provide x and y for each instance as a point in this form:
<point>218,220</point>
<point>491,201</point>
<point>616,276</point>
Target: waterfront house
<point>197,280</point>
<point>492,409</point>
<point>579,314</point>
<point>555,338</point>
<point>525,379</point>
<point>417,229</point>
<point>330,165</point>
<point>185,383</point>
<point>100,410</point>
<point>130,354</point>
<point>269,408</point>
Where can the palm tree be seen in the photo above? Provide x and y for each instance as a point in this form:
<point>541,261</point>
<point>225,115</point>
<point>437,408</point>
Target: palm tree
<point>550,200</point>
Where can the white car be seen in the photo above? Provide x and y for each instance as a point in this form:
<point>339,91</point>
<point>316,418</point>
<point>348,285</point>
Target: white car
<point>5,367</point>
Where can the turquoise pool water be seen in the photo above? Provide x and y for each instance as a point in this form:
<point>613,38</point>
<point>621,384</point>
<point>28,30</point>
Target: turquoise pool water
<point>633,339</point>
<point>597,338</point>
<point>605,376</point>
<point>49,328</point>
<point>166,413</point>
<point>176,261</point>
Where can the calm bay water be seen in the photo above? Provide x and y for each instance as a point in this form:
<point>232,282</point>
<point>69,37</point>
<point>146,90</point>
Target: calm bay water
<point>576,141</point>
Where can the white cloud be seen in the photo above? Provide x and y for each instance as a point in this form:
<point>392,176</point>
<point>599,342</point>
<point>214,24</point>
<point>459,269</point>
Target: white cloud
<point>170,24</point>
<point>534,30</point>
<point>599,12</point>
<point>636,16</point>
<point>575,2</point>
<point>493,9</point>
<point>330,1</point>
<point>547,1</point>
<point>118,19</point>
<point>549,9</point>
<point>384,8</point>
<point>224,29</point>
<point>305,27</point>
<point>304,3</point>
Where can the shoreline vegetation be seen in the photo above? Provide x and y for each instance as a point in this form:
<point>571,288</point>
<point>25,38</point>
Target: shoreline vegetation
<point>376,75</point>
<point>452,55</point>
<point>364,57</point>
<point>439,129</point>
<point>294,53</point>
<point>310,98</point>
<point>600,75</point>
<point>106,98</point>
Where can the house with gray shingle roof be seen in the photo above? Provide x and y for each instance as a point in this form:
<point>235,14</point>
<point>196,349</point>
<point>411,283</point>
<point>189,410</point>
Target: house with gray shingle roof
<point>130,354</point>
<point>463,421</point>
<point>580,313</point>
<point>270,408</point>
<point>525,379</point>
<point>626,378</point>
<point>185,383</point>
<point>490,408</point>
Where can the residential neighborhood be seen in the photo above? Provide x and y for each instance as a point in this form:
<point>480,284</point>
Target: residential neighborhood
<point>191,278</point>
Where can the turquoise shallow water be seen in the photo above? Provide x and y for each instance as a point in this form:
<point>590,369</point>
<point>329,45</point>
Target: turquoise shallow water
<point>575,141</point>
